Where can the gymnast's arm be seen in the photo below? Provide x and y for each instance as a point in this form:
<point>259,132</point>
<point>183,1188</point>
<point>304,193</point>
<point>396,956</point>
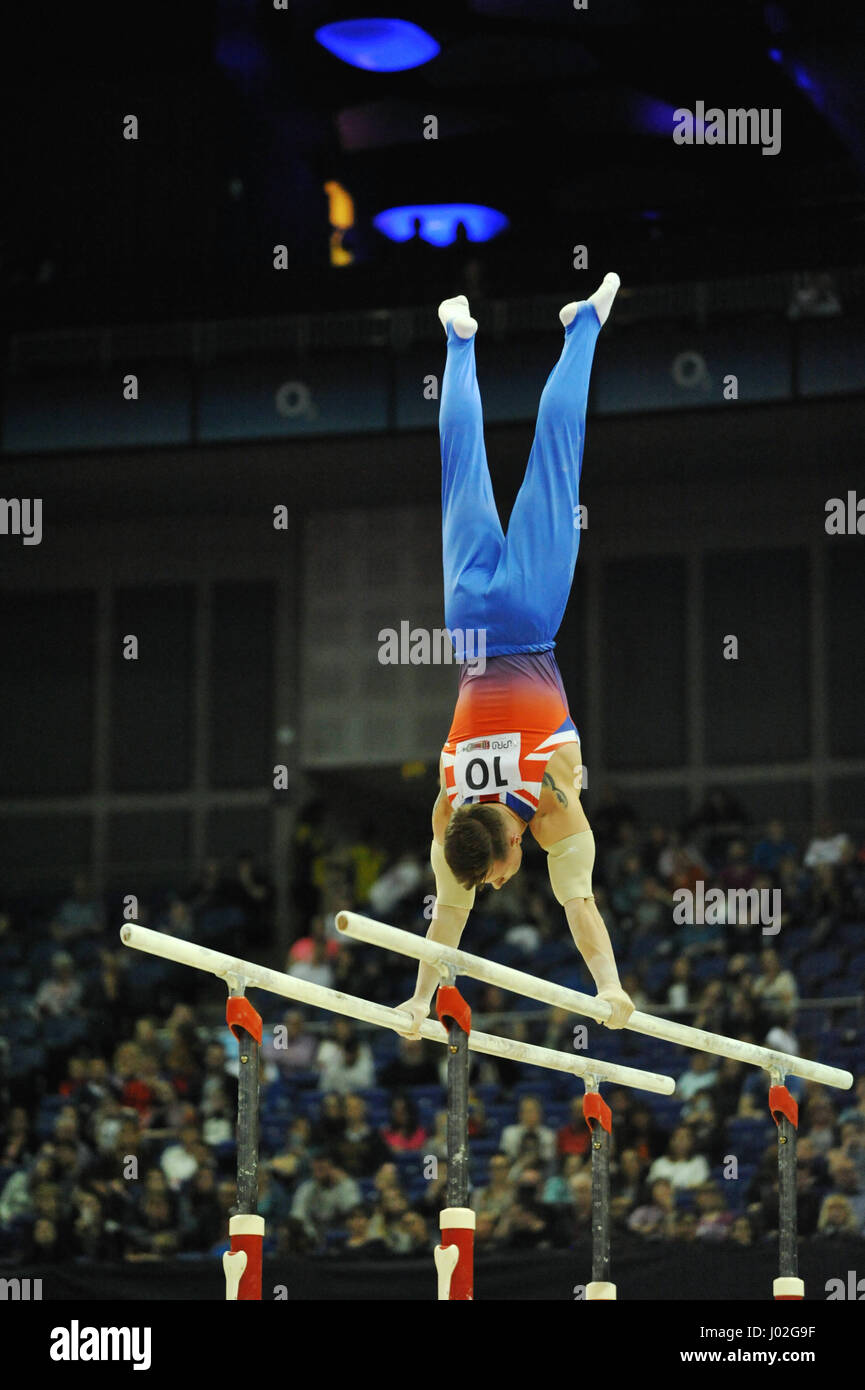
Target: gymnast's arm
<point>452,907</point>
<point>570,860</point>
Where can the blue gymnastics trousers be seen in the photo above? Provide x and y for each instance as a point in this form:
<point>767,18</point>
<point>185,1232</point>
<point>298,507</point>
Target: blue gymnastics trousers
<point>514,586</point>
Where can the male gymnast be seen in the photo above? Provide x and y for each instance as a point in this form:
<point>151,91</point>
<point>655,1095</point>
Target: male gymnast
<point>512,759</point>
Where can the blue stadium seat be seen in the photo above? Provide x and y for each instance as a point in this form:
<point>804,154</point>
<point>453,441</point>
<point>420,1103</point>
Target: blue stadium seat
<point>852,934</point>
<point>856,963</point>
<point>749,1137</point>
<point>657,977</point>
<point>542,1087</point>
<point>487,1091</point>
<point>436,1095</point>
<point>710,968</point>
<point>375,1095</point>
<point>21,1029</point>
<point>818,966</point>
<point>60,1033</point>
<point>642,948</point>
<point>15,980</point>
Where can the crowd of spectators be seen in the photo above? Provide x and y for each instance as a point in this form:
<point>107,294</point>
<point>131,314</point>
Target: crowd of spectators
<point>119,1084</point>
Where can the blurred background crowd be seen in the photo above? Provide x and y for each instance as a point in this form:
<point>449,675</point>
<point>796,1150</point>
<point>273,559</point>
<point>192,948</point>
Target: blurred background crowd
<point>118,1076</point>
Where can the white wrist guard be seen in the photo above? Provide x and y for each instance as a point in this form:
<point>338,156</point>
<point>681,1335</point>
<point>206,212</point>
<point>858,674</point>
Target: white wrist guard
<point>449,891</point>
<point>570,865</point>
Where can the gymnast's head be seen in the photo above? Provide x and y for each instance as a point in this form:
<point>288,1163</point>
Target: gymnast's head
<point>482,845</point>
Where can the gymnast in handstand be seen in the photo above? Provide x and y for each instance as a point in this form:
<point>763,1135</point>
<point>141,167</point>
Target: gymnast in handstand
<point>512,759</point>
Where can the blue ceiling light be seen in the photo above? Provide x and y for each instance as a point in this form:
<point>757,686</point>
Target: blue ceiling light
<point>650,116</point>
<point>438,222</point>
<point>776,55</point>
<point>378,45</point>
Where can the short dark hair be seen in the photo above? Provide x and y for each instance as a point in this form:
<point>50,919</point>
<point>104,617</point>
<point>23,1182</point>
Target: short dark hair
<point>475,838</point>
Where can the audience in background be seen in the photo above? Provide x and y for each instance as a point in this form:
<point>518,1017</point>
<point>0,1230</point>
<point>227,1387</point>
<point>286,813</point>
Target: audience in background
<point>119,1089</point>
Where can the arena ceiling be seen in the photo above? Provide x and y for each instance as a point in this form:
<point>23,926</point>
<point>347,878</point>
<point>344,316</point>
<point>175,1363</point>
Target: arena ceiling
<point>558,117</point>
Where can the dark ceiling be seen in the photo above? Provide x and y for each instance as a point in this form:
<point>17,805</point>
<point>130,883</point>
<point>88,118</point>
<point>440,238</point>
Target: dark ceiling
<point>553,115</point>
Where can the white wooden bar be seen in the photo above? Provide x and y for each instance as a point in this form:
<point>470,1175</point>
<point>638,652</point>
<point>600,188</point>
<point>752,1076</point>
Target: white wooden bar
<point>241,975</point>
<point>559,996</point>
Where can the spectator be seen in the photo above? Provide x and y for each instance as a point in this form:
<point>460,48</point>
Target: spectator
<point>530,1122</point>
<point>680,1164</point>
<point>107,1002</point>
<point>60,995</point>
<point>325,1198</point>
<point>737,874</point>
<point>274,1201</point>
<point>209,890</point>
<point>414,1065</point>
<point>17,1143</point>
<point>741,1232</point>
<point>701,1075</point>
<point>774,847</point>
<point>847,1184</point>
<point>574,1137</point>
<point>329,1125</point>
<point>177,919</point>
<point>641,1132</point>
<point>654,1219</point>
<point>388,1222</point>
<point>626,888</point>
<point>713,1218</point>
<point>827,846</point>
<point>404,1134</point>
<point>290,1048</point>
<point>360,1239</point>
<point>821,1123</point>
<point>679,991</point>
<point>90,1236</point>
<point>154,1234</point>
<point>201,1217</point>
<point>360,1150</point>
<point>653,911</point>
<point>711,1008</point>
<point>79,915</point>
<point>397,883</point>
<point>628,1176</point>
<point>857,1108</point>
<point>837,1217</point>
<point>437,1141</point>
<point>181,1161</point>
<point>500,1191</point>
<point>292,1161</point>
<point>775,988</point>
<point>252,892</point>
<point>526,1224</point>
<point>344,1063</point>
<point>318,969</point>
<point>728,1086</point>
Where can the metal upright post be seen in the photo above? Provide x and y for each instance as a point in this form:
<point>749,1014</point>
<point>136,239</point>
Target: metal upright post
<point>598,1117</point>
<point>785,1113</point>
<point>242,1264</point>
<point>454,1257</point>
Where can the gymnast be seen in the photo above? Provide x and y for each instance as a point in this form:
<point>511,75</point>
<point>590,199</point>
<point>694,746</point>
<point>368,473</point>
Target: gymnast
<point>512,759</point>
